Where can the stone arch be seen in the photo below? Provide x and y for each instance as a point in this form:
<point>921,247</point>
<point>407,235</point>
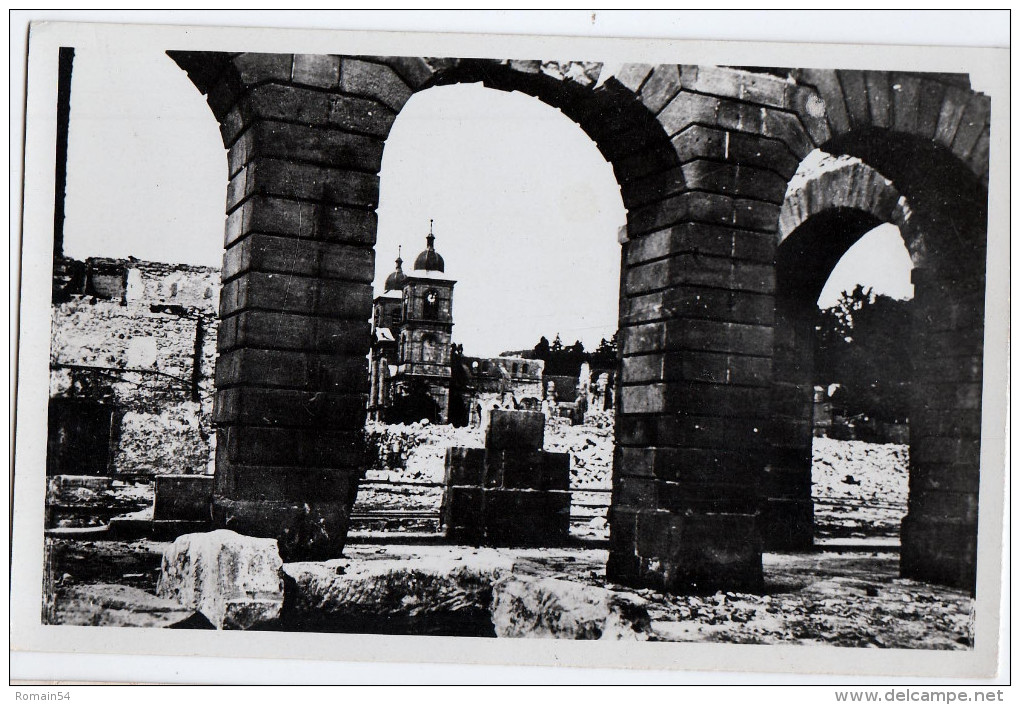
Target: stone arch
<point>827,182</point>
<point>305,136</point>
<point>928,134</point>
<point>937,108</point>
<point>702,155</point>
<point>831,203</point>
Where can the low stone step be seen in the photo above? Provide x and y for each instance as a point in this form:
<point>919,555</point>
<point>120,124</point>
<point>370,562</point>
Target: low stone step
<point>80,532</point>
<point>129,528</point>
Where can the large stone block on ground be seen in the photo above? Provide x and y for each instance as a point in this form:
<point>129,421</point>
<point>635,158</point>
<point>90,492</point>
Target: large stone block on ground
<point>305,530</point>
<point>510,429</point>
<point>235,581</point>
<point>561,609</point>
<point>464,466</point>
<point>462,514</point>
<point>526,517</point>
<point>514,469</point>
<point>445,595</point>
<point>103,605</point>
<point>555,471</point>
<point>187,497</point>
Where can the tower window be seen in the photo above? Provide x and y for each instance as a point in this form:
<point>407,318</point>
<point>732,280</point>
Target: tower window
<point>430,305</point>
<point>430,351</point>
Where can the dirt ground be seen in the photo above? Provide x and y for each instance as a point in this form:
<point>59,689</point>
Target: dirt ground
<point>842,599</point>
<point>853,599</point>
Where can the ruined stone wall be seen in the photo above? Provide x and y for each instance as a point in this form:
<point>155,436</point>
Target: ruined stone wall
<point>173,284</point>
<point>150,353</point>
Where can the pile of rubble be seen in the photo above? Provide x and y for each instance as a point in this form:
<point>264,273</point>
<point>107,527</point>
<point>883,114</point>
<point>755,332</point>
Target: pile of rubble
<point>415,452</point>
<point>859,489</point>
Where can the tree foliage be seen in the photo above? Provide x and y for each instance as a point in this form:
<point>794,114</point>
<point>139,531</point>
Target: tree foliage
<point>863,344</point>
<point>566,360</point>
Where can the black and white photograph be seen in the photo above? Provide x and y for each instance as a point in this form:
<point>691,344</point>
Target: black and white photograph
<point>647,348</point>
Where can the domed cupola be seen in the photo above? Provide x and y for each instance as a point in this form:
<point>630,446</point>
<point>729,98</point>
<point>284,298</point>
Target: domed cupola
<point>428,259</point>
<point>395,281</point>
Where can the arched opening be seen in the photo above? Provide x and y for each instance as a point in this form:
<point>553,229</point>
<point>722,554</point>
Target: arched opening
<point>524,213</point>
<point>430,352</point>
<point>842,371</point>
<point>430,305</point>
<point>832,202</point>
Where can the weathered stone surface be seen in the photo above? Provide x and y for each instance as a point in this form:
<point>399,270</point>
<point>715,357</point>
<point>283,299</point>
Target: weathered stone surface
<point>464,466</point>
<point>183,497</point>
<point>234,580</point>
<point>525,517</point>
<point>444,594</point>
<point>561,609</point>
<point>105,605</point>
<point>510,429</point>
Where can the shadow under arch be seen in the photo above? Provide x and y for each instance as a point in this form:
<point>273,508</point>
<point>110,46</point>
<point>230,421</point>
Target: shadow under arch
<point>948,199</point>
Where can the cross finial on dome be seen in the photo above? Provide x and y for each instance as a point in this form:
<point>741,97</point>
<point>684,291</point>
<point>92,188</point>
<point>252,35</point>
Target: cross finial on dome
<point>395,281</point>
<point>428,259</point>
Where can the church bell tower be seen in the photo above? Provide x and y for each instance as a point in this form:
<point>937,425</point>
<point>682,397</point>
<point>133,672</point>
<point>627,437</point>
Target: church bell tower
<point>417,339</point>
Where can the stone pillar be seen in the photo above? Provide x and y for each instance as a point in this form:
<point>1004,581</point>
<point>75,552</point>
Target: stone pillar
<point>939,534</point>
<point>696,315</point>
<point>787,519</point>
<point>292,378</point>
<point>690,444</point>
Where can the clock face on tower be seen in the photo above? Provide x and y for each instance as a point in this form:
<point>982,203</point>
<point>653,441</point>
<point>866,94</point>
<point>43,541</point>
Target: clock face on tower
<point>431,298</point>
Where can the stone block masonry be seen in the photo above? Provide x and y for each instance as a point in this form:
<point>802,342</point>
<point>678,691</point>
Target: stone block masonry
<point>703,156</point>
<point>510,493</point>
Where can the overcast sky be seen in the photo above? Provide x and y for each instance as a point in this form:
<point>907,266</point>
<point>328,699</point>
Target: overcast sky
<point>526,209</point>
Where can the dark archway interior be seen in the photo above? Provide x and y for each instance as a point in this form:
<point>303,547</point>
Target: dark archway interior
<point>804,261</point>
<point>807,257</point>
